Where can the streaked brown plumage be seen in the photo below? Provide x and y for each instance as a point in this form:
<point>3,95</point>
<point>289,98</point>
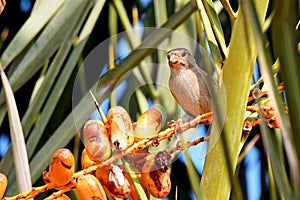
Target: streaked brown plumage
<point>188,83</point>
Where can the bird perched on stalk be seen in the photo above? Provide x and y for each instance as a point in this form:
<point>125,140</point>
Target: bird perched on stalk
<point>188,83</point>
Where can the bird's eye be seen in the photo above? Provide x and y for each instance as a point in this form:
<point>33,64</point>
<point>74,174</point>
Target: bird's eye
<point>183,54</point>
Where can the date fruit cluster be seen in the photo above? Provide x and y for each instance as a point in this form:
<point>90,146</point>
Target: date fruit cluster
<point>104,139</point>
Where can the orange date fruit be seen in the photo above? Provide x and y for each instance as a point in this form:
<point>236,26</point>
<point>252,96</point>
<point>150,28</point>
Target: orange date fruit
<point>148,124</point>
<point>88,187</point>
<point>120,128</point>
<point>61,167</point>
<point>96,140</point>
<point>85,160</point>
<point>113,181</point>
<point>157,183</point>
<point>155,178</point>
<point>3,184</point>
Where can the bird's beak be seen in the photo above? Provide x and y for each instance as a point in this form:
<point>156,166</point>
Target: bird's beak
<point>173,61</point>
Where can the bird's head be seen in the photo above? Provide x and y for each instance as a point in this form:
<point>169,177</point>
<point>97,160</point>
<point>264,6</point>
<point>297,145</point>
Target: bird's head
<point>180,59</point>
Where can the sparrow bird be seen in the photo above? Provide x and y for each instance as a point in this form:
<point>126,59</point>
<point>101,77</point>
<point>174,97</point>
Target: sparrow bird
<point>188,83</point>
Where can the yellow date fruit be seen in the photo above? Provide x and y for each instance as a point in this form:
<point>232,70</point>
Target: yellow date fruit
<point>113,181</point>
<point>148,124</point>
<point>85,160</point>
<point>3,184</point>
<point>120,128</point>
<point>88,187</point>
<point>61,167</point>
<point>96,140</point>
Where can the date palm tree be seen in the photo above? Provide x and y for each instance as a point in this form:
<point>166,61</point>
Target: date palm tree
<point>118,51</point>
